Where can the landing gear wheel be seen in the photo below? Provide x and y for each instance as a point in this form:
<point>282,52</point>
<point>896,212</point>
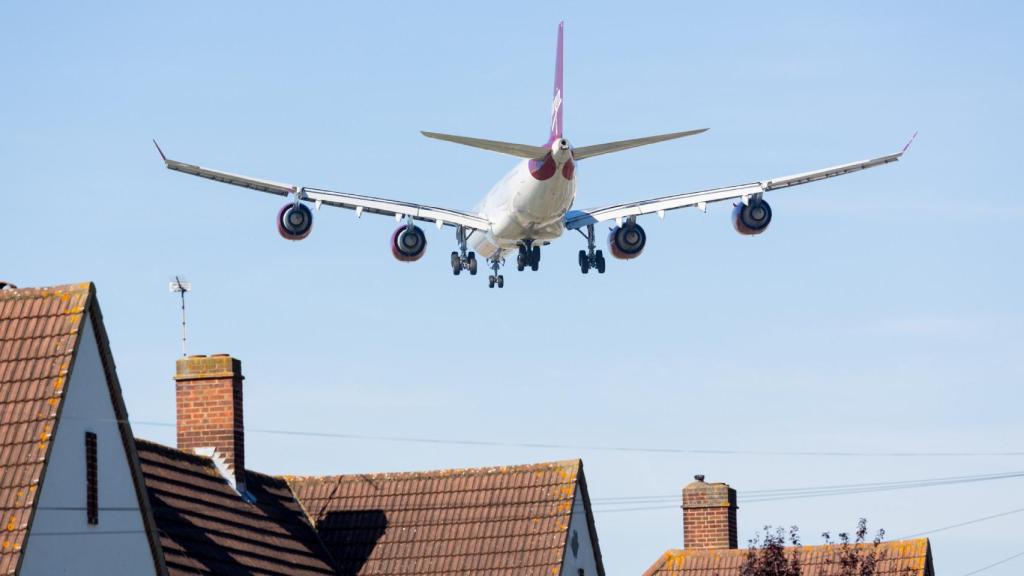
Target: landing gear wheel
<point>535,258</point>
<point>471,263</point>
<point>501,281</point>
<point>521,260</point>
<point>600,262</point>
<point>456,264</point>
<point>584,262</point>
<point>490,281</point>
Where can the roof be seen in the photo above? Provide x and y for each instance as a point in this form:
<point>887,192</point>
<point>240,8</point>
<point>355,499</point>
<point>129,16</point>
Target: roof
<point>897,558</point>
<point>506,520</point>
<point>205,527</point>
<point>39,337</point>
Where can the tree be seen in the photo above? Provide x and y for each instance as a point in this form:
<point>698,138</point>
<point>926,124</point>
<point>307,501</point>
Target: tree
<point>845,556</point>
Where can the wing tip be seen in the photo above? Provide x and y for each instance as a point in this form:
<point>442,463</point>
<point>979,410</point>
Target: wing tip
<point>909,142</point>
<point>162,155</point>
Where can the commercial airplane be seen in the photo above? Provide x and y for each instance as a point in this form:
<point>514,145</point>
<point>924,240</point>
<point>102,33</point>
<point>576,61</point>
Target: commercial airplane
<point>532,205</point>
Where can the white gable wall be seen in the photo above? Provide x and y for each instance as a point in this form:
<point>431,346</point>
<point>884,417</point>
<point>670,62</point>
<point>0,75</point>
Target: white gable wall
<point>584,558</point>
<point>60,540</point>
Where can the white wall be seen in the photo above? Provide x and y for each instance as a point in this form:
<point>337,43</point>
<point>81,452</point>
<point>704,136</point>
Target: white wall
<point>584,557</point>
<point>61,541</point>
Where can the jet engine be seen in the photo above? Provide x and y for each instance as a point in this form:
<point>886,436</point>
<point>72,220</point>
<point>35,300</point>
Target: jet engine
<point>753,218</point>
<point>294,221</point>
<point>627,242</point>
<point>408,243</point>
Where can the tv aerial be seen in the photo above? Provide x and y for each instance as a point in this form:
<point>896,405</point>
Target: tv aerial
<point>182,286</point>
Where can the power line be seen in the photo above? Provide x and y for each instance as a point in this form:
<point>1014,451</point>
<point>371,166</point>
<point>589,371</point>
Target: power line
<point>770,495</point>
<point>959,524</point>
<point>994,564</point>
<point>607,448</point>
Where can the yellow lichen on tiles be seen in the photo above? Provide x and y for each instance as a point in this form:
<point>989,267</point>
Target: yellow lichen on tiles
<point>6,545</point>
<point>11,523</point>
<point>58,383</point>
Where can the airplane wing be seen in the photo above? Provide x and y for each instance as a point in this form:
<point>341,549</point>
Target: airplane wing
<point>384,206</point>
<point>579,218</point>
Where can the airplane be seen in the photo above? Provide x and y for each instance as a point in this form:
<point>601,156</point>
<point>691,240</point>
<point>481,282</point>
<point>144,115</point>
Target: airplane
<point>533,204</point>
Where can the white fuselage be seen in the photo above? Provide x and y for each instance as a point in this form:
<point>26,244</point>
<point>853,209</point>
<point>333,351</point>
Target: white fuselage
<point>524,206</point>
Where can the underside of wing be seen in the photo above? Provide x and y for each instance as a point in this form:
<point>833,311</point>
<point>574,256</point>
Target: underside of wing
<point>744,192</point>
<point>396,208</point>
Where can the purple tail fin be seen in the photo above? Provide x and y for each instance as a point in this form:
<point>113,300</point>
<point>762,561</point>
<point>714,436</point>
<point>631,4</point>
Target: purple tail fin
<point>556,99</point>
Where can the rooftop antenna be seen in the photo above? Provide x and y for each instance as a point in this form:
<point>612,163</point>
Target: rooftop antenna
<point>181,286</point>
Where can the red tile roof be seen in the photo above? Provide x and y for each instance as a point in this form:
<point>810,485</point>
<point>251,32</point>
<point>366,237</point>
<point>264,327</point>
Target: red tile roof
<point>205,527</point>
<point>506,520</point>
<point>38,339</point>
<point>897,558</point>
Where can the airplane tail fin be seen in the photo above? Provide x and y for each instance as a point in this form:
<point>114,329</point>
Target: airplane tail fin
<point>556,97</point>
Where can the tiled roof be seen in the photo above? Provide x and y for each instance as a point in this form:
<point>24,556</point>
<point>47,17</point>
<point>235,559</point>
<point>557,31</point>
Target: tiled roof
<point>897,558</point>
<point>205,527</point>
<point>507,520</point>
<point>38,338</point>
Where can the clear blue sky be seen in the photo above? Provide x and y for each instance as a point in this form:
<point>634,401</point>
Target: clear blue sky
<point>882,311</point>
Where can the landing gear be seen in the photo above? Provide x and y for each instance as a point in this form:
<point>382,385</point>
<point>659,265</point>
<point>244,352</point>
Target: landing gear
<point>529,255</point>
<point>591,257</point>
<point>495,279</point>
<point>467,263</point>
<point>463,260</point>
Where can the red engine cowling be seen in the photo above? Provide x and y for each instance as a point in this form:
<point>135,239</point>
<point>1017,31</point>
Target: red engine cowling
<point>294,221</point>
<point>408,243</point>
<point>627,242</point>
<point>751,219</point>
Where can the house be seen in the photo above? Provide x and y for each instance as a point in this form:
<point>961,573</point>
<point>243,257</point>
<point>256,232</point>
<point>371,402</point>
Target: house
<point>80,494</point>
<point>710,547</point>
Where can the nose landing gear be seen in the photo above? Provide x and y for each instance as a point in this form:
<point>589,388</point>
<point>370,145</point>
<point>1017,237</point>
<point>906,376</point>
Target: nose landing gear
<point>495,279</point>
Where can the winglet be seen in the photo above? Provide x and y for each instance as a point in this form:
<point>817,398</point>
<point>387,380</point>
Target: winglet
<point>909,142</point>
<point>160,151</point>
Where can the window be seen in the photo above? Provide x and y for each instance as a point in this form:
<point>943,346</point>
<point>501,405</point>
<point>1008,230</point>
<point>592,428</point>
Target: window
<point>92,508</point>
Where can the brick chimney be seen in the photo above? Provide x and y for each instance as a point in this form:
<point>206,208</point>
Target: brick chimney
<point>209,402</point>
<point>709,516</point>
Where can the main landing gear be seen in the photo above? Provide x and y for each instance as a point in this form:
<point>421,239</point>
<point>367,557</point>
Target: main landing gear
<point>496,279</point>
<point>529,255</point>
<point>463,260</point>
<point>591,257</point>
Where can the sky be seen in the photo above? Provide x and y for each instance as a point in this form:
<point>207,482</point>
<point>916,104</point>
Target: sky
<point>881,312</point>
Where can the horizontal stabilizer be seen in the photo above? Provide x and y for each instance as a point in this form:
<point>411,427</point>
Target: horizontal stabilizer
<point>598,149</point>
<point>519,150</point>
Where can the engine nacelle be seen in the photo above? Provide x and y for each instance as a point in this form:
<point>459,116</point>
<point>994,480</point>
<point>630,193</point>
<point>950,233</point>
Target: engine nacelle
<point>751,219</point>
<point>408,243</point>
<point>627,242</point>
<point>294,221</point>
